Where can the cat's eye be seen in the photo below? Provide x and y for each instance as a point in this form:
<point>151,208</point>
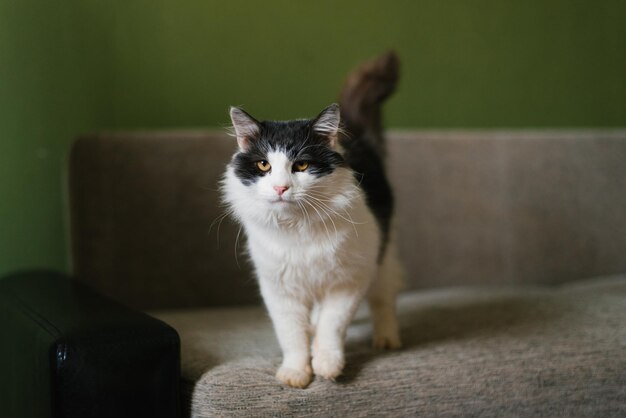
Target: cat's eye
<point>300,165</point>
<point>263,165</point>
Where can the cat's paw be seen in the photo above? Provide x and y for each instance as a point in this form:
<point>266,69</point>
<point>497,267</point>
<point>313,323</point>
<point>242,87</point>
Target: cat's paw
<point>387,342</point>
<point>328,363</point>
<point>295,378</point>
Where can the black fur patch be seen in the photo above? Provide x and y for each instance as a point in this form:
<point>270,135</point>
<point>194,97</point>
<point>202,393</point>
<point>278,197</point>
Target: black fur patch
<point>369,171</point>
<point>296,139</point>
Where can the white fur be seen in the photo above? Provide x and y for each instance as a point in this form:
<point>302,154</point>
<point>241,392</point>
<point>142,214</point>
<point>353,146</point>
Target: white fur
<point>316,252</point>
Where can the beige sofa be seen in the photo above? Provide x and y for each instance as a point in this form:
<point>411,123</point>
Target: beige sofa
<point>515,248</point>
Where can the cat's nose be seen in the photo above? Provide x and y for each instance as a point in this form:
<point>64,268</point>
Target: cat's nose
<point>281,189</point>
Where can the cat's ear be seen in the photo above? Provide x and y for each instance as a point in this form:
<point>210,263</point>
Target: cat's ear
<point>247,129</point>
<point>327,122</point>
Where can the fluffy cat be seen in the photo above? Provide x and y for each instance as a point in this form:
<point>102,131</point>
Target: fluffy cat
<point>316,207</point>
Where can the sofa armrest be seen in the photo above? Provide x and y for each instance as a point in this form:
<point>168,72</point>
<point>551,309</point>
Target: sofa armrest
<point>68,351</point>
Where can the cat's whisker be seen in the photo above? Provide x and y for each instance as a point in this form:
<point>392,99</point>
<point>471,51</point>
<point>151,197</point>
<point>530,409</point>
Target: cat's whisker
<point>219,219</point>
<point>348,194</point>
<point>326,204</point>
<point>349,219</point>
<point>332,203</point>
<point>323,198</point>
<point>361,177</point>
<point>306,213</point>
<point>320,216</point>
<point>236,245</point>
<point>330,218</point>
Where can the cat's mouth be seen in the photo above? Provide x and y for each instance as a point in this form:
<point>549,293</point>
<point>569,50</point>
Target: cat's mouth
<point>281,201</point>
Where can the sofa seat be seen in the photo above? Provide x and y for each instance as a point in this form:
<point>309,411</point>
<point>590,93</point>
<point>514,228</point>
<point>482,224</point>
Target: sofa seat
<point>471,351</point>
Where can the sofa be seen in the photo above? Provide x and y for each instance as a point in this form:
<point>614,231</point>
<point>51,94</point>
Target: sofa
<point>514,244</point>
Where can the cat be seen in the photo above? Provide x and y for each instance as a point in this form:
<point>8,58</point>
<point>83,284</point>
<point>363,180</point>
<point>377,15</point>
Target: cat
<point>316,207</point>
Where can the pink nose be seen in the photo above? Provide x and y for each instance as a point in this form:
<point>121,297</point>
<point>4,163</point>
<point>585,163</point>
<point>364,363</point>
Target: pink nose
<point>281,189</point>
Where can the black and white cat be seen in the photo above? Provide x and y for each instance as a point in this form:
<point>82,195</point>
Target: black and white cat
<point>316,207</point>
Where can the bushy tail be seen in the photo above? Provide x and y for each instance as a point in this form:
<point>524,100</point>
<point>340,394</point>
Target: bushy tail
<point>362,97</point>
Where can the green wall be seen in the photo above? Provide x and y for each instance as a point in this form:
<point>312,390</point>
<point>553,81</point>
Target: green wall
<point>77,66</point>
<point>45,100</point>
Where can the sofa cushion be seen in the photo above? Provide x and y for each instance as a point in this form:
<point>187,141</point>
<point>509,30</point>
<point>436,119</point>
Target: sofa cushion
<point>472,351</point>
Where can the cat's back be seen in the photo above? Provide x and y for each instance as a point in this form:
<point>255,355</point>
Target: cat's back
<point>369,170</point>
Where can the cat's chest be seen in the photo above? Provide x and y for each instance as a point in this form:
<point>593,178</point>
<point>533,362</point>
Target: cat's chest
<point>300,259</point>
<point>313,256</point>
<point>299,251</point>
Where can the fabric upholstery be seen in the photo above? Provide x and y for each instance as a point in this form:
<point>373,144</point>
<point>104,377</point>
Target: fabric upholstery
<point>472,208</point>
<point>142,212</point>
<point>510,207</point>
<point>469,351</point>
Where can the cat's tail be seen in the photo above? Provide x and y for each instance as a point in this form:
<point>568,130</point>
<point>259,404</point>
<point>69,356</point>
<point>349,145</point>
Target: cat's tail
<point>362,97</point>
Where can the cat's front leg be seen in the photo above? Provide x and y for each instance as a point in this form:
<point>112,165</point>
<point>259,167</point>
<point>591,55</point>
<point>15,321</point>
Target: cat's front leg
<point>336,311</point>
<point>290,317</point>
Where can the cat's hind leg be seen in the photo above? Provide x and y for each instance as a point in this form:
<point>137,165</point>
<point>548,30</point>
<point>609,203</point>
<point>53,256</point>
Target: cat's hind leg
<point>381,298</point>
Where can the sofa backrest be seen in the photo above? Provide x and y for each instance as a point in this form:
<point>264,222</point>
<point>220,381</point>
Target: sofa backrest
<point>510,207</point>
<point>472,208</point>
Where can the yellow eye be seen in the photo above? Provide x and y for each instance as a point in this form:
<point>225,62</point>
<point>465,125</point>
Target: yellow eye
<point>263,166</point>
<point>300,165</point>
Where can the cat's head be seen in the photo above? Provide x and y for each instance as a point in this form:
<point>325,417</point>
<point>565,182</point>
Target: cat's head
<point>287,168</point>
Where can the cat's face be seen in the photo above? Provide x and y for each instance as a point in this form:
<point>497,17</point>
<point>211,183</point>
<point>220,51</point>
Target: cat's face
<point>288,168</point>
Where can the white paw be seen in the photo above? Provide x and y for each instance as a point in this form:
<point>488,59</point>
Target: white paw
<point>295,378</point>
<point>390,341</point>
<point>328,363</point>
